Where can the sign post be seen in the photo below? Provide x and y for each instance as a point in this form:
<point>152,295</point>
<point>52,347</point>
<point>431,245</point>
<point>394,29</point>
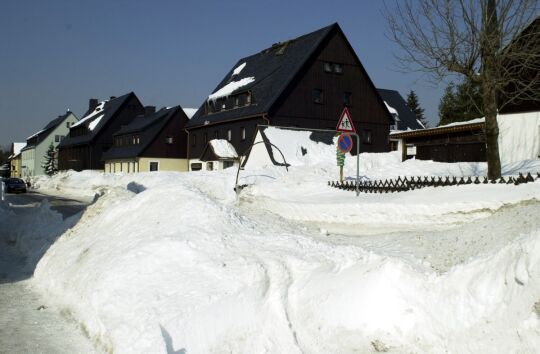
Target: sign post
<point>345,125</point>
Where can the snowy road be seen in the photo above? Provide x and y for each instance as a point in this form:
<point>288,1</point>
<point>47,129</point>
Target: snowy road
<point>27,324</point>
<point>67,207</point>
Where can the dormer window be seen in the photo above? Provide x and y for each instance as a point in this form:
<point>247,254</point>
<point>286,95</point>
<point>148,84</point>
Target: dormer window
<point>248,99</point>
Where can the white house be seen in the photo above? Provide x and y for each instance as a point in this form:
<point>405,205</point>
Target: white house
<point>33,154</point>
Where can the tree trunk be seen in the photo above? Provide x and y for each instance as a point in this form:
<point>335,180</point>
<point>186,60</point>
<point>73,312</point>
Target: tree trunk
<point>489,46</point>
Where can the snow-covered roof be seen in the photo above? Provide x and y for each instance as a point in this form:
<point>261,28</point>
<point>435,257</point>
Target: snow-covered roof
<point>17,147</point>
<point>472,121</point>
<point>190,112</point>
<point>451,125</point>
<point>391,109</point>
<point>223,149</point>
<point>238,69</point>
<point>230,88</point>
<point>95,112</point>
<point>35,134</point>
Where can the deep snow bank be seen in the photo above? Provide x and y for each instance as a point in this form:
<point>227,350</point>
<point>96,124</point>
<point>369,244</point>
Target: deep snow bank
<point>172,264</point>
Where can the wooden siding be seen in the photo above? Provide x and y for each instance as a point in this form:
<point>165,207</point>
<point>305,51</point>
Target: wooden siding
<point>466,146</point>
<point>87,156</point>
<point>297,107</point>
<point>175,129</point>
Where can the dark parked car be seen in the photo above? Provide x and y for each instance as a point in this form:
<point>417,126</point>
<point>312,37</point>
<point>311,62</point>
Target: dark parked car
<point>14,185</point>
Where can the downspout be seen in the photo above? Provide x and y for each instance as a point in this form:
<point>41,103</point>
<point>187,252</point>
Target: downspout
<point>187,150</point>
<point>266,118</point>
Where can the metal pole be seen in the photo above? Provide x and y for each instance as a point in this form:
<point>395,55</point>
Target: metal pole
<point>357,163</point>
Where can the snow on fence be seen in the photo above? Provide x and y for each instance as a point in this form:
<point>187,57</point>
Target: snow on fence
<point>410,183</point>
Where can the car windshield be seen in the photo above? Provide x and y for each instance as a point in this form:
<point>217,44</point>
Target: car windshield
<point>15,181</point>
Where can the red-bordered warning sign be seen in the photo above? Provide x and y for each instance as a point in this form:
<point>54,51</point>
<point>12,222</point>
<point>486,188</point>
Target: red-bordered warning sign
<point>345,123</point>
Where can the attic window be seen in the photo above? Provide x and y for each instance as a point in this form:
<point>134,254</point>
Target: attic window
<point>338,69</point>
<point>347,98</point>
<point>327,67</point>
<point>169,140</point>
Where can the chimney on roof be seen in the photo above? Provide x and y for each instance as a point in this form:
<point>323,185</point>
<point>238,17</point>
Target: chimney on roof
<point>92,104</point>
<point>149,110</point>
<point>113,97</point>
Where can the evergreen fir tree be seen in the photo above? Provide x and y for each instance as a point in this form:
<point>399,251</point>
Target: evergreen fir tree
<point>460,103</point>
<point>414,106</point>
<point>50,164</point>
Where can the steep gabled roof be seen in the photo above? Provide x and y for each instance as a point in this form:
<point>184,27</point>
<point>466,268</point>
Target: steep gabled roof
<point>407,119</point>
<point>41,135</point>
<point>147,127</point>
<point>96,119</point>
<point>272,70</point>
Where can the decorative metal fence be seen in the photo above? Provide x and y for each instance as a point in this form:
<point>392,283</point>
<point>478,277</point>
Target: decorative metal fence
<point>402,184</point>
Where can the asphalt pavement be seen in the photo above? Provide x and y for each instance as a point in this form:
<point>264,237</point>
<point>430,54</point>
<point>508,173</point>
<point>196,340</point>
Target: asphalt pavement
<point>66,207</point>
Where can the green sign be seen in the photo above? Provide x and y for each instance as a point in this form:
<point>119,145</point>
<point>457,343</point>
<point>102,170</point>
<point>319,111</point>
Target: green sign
<point>340,158</point>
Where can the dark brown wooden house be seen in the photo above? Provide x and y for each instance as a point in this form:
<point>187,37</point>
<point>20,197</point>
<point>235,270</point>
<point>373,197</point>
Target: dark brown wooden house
<point>304,82</point>
<point>91,136</point>
<point>155,141</point>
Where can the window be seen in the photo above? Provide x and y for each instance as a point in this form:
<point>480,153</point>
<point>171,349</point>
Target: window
<point>68,124</point>
<point>229,135</point>
<point>197,166</point>
<point>248,99</point>
<point>327,67</point>
<point>236,101</point>
<point>154,166</point>
<point>318,96</point>
<point>210,166</point>
<point>243,133</point>
<point>57,138</point>
<point>227,164</point>
<point>347,98</point>
<point>169,140</point>
<point>366,135</point>
<point>338,69</point>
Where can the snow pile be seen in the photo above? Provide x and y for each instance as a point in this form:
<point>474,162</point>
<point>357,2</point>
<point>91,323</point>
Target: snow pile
<point>223,149</point>
<point>99,108</point>
<point>232,86</point>
<point>173,267</point>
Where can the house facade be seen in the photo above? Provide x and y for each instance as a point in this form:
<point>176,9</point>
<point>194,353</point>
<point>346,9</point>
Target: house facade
<point>33,154</point>
<point>15,159</point>
<point>83,148</point>
<point>155,141</point>
<point>304,82</point>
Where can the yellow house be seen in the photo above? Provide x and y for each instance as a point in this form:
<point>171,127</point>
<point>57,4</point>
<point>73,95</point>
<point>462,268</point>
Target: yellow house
<point>156,141</point>
<point>15,160</point>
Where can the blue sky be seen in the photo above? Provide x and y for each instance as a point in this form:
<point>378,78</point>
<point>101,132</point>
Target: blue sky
<point>57,54</point>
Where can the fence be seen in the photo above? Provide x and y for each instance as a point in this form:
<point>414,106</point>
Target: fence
<point>402,184</point>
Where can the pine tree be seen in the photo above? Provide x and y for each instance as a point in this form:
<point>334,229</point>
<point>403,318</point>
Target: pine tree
<point>49,164</point>
<point>460,103</point>
<point>414,106</point>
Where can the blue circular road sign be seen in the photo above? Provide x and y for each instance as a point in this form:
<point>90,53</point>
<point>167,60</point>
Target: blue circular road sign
<point>345,143</point>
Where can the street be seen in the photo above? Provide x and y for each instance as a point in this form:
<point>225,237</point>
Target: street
<point>27,323</point>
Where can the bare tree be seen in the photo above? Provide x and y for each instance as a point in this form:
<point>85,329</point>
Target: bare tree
<point>493,42</point>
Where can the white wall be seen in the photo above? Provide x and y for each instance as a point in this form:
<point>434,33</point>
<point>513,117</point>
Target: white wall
<point>519,136</point>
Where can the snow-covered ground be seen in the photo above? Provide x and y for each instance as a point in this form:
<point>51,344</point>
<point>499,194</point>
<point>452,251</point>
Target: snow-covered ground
<point>177,262</point>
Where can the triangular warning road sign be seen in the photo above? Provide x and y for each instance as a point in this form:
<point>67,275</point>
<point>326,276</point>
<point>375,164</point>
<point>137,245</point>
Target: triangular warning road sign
<point>345,123</point>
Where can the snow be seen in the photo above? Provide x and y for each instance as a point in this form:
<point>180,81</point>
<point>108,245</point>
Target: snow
<point>238,69</point>
<point>230,88</point>
<point>391,109</point>
<point>223,149</point>
<point>177,262</point>
<point>99,108</point>
<point>35,134</point>
<point>95,122</point>
<point>421,124</point>
<point>190,112</point>
<point>17,147</point>
<point>519,136</point>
